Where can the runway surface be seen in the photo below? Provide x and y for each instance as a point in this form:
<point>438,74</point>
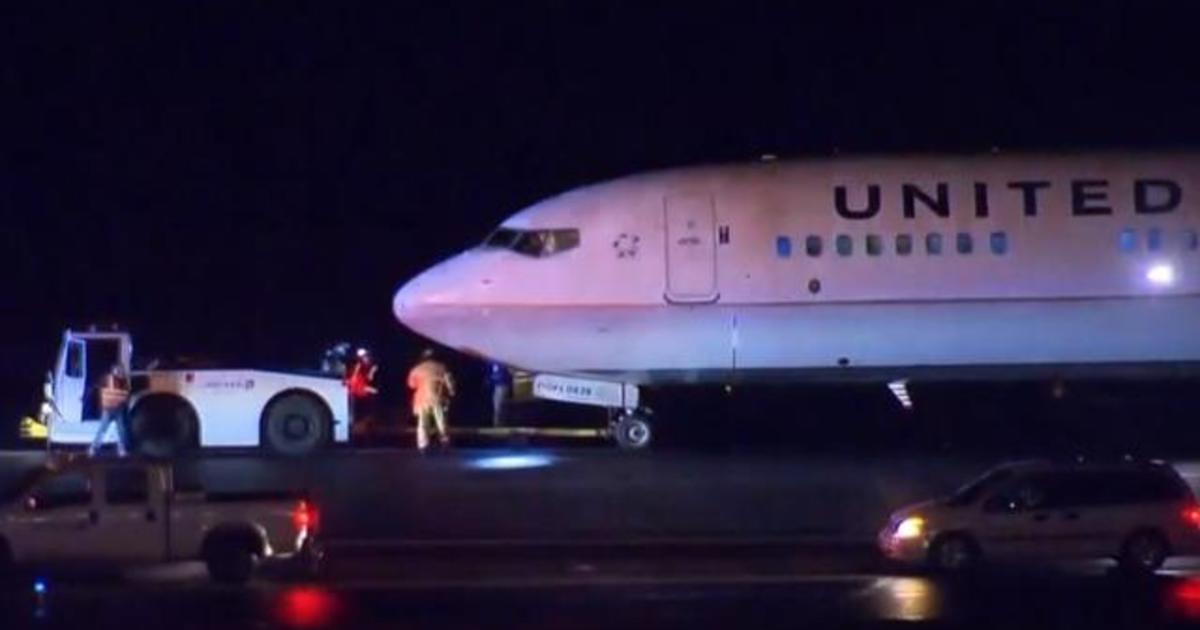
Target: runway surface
<point>587,494</point>
<point>533,600</point>
<point>591,537</point>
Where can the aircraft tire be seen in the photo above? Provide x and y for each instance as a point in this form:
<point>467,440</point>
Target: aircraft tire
<point>633,432</point>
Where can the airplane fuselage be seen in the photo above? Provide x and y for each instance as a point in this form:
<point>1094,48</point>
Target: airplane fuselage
<point>840,268</point>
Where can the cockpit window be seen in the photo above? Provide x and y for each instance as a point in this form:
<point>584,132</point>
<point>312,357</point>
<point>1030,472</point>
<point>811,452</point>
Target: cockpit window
<point>502,237</point>
<point>535,243</point>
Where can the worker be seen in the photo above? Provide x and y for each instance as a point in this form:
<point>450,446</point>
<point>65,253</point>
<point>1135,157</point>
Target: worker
<point>114,396</point>
<point>48,410</point>
<point>360,382</point>
<point>432,388</point>
<point>335,359</point>
<point>500,380</point>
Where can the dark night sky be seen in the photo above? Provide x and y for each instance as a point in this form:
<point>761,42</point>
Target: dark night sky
<point>253,180</point>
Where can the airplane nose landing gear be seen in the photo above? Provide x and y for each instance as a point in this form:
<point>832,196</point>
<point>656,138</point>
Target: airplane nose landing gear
<point>632,430</point>
<point>628,423</point>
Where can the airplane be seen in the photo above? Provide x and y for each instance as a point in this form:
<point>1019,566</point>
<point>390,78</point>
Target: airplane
<point>847,268</point>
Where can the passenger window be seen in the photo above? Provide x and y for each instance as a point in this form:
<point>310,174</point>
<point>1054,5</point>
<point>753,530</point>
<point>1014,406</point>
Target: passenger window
<point>1164,487</point>
<point>1137,487</point>
<point>1190,240</point>
<point>933,244</point>
<point>1029,493</point>
<point>845,245</point>
<point>1127,240</point>
<point>874,245</point>
<point>903,244</point>
<point>783,247</point>
<point>999,243</point>
<point>62,490</point>
<point>126,485</point>
<point>812,246</point>
<point>999,503</point>
<point>1032,495</point>
<point>964,243</point>
<point>1154,239</point>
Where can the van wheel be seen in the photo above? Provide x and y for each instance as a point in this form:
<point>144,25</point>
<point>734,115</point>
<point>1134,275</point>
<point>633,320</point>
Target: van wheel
<point>162,426</point>
<point>230,561</point>
<point>954,553</point>
<point>295,424</point>
<point>1143,553</point>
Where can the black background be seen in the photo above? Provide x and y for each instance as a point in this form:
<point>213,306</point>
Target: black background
<point>251,181</point>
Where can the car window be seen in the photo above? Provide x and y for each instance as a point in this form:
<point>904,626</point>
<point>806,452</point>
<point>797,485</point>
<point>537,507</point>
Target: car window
<point>1033,493</point>
<point>971,492</point>
<point>1066,489</point>
<point>63,490</point>
<point>126,485</point>
<point>1027,492</point>
<point>1124,487</point>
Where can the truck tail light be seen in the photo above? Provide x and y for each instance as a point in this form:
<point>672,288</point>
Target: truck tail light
<point>1191,515</point>
<point>305,517</point>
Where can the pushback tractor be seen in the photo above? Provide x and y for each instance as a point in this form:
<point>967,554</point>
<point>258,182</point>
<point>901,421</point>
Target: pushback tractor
<point>172,411</point>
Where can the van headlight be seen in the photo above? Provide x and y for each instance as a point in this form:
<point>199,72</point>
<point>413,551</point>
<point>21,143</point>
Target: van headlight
<point>909,528</point>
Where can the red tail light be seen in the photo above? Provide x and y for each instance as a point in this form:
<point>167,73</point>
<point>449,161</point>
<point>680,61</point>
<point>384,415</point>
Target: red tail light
<point>305,516</point>
<point>1191,515</point>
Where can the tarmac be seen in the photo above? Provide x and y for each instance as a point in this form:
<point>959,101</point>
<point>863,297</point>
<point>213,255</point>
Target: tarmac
<point>594,537</point>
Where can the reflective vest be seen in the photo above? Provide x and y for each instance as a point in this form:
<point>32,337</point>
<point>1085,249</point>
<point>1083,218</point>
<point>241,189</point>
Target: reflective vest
<point>359,381</point>
<point>431,383</point>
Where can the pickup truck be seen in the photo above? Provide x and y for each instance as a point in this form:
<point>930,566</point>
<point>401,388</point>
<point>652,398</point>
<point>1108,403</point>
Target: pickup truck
<point>101,513</point>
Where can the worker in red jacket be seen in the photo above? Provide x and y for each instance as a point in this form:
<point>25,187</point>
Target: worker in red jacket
<point>360,382</point>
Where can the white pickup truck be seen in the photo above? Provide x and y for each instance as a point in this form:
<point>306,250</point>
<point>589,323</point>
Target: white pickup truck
<point>174,410</point>
<point>99,513</point>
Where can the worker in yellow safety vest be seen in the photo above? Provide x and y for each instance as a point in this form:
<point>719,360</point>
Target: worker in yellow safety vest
<point>114,395</point>
<point>432,388</point>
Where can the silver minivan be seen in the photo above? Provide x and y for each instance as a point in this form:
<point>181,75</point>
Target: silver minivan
<point>1138,513</point>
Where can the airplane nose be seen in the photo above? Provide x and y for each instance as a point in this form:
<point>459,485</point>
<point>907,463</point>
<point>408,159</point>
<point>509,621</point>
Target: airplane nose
<point>429,287</point>
<point>407,298</point>
<point>446,284</point>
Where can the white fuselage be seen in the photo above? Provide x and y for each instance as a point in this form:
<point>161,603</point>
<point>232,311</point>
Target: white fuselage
<point>841,268</point>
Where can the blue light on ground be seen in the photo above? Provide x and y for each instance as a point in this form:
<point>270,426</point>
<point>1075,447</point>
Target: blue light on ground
<point>511,461</point>
<point>39,586</point>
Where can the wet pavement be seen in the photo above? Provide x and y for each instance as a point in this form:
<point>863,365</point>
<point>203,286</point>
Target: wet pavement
<point>1011,600</point>
<point>591,538</point>
<point>574,495</point>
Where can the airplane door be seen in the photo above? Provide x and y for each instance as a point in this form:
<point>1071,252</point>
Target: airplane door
<point>690,223</point>
<point>70,379</point>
